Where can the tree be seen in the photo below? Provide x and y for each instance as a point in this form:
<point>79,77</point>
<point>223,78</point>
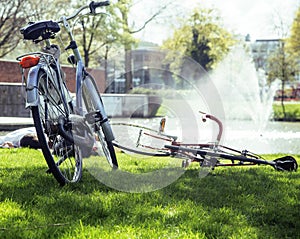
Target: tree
<point>95,35</point>
<point>294,40</point>
<point>12,17</point>
<point>281,65</point>
<point>121,11</point>
<point>201,37</point>
<point>99,35</point>
<point>15,14</point>
<point>124,31</point>
<point>293,43</point>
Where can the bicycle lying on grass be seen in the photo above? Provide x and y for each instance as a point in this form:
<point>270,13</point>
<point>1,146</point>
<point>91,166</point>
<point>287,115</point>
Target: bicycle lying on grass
<point>207,155</point>
<point>66,130</point>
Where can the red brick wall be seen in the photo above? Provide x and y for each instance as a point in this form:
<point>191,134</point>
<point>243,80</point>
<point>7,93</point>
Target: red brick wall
<point>12,100</point>
<point>10,72</point>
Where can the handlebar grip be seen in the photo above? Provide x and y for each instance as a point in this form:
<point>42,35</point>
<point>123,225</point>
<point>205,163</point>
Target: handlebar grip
<point>93,5</point>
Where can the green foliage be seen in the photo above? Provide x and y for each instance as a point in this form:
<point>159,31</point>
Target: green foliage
<point>292,112</point>
<point>12,16</point>
<point>201,37</point>
<point>282,64</point>
<point>100,34</point>
<point>143,91</point>
<point>238,202</point>
<point>96,35</point>
<point>294,39</point>
<point>120,11</point>
<point>164,93</point>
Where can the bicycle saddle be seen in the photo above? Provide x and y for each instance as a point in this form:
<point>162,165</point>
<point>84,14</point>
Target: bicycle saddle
<point>38,31</point>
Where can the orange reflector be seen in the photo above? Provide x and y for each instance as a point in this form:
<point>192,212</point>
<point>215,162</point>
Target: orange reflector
<point>162,125</point>
<point>29,61</point>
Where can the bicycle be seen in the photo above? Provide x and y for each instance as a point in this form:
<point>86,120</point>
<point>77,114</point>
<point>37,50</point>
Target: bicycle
<point>67,130</point>
<point>157,143</point>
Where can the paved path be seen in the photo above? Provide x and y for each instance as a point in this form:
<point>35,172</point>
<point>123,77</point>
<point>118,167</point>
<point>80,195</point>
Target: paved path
<point>13,123</point>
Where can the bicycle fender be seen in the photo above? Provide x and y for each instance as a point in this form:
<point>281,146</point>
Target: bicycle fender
<point>32,98</point>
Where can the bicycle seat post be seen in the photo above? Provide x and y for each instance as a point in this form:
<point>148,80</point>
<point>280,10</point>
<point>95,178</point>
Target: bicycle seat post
<point>48,43</point>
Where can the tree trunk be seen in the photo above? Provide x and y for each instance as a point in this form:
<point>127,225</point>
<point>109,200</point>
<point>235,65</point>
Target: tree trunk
<point>107,84</point>
<point>86,58</point>
<point>127,48</point>
<point>284,79</point>
<point>128,71</point>
<point>282,99</point>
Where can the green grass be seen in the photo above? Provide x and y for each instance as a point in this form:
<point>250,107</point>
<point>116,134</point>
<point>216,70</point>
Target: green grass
<point>292,111</point>
<point>256,202</point>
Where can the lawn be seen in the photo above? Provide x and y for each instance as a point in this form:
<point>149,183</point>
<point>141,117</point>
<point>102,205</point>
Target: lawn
<point>292,110</point>
<point>256,202</point>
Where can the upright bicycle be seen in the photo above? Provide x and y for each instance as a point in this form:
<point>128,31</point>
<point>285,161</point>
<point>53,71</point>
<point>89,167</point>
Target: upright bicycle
<point>68,130</point>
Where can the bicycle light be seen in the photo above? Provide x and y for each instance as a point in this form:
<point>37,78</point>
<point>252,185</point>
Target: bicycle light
<point>29,61</point>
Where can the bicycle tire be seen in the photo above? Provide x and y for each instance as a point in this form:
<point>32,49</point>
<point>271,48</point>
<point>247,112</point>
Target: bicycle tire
<point>93,103</point>
<point>135,151</point>
<point>63,157</point>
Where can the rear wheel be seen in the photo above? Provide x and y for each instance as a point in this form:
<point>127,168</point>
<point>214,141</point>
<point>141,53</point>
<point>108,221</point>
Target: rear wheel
<point>63,157</point>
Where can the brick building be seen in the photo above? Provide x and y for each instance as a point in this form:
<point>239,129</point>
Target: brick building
<point>12,100</point>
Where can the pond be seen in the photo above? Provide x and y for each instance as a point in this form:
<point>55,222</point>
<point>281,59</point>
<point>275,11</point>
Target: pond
<point>276,137</point>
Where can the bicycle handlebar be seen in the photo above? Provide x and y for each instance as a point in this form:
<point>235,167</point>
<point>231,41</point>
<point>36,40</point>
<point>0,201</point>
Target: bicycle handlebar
<point>213,118</point>
<point>92,6</point>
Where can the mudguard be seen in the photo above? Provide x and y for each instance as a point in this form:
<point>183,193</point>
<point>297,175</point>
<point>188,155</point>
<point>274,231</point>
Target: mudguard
<point>79,77</point>
<point>32,98</point>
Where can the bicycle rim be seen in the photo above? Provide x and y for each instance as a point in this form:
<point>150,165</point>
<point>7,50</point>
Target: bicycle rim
<point>139,139</point>
<point>92,103</point>
<point>62,156</point>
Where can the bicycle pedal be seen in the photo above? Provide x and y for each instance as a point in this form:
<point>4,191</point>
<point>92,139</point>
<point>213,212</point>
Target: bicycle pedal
<point>94,116</point>
<point>186,163</point>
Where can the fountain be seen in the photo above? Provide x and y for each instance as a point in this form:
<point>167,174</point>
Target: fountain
<point>243,90</point>
<point>234,92</point>
<point>247,103</point>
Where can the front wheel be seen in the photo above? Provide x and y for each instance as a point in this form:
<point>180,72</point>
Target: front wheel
<point>103,133</point>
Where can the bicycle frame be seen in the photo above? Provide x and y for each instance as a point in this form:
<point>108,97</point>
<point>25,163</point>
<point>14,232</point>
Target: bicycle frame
<point>32,81</point>
<point>80,72</point>
<point>207,154</point>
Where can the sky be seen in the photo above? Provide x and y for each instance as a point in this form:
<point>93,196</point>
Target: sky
<point>255,17</point>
